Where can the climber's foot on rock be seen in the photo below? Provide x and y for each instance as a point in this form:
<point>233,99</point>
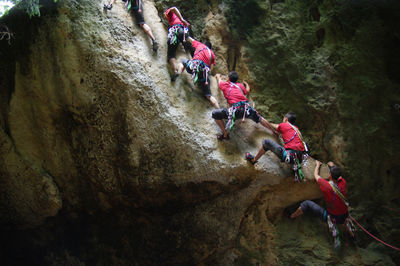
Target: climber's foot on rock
<point>221,137</point>
<point>174,76</point>
<point>250,158</point>
<point>155,46</point>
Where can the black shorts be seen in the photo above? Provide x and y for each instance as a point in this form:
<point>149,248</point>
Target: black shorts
<point>205,87</point>
<point>172,47</point>
<point>223,113</point>
<point>138,15</point>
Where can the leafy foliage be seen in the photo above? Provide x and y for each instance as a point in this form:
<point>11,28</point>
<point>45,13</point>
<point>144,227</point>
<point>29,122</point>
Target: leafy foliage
<point>32,7</point>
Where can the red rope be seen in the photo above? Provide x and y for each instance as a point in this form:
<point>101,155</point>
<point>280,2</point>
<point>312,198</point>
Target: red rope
<point>398,249</point>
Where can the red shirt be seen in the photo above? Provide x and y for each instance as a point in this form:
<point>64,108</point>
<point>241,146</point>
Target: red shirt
<point>173,19</point>
<point>334,203</point>
<point>202,53</point>
<point>291,140</point>
<point>235,95</point>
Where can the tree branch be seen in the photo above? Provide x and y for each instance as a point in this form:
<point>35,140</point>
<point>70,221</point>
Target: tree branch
<point>5,33</point>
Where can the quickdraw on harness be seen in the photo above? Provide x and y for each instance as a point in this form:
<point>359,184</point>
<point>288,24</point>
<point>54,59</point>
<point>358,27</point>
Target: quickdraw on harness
<point>292,156</point>
<point>198,68</point>
<point>173,33</point>
<point>136,6</point>
<point>332,222</point>
<point>232,113</point>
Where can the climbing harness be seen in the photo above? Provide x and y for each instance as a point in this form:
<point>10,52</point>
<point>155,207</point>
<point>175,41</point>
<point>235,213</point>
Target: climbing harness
<point>173,33</point>
<point>232,113</point>
<point>198,67</point>
<point>332,222</point>
<point>290,156</point>
<point>295,157</point>
<point>236,106</point>
<point>201,67</point>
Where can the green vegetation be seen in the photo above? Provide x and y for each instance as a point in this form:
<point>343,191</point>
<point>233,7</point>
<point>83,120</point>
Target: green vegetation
<point>32,7</point>
<point>335,63</point>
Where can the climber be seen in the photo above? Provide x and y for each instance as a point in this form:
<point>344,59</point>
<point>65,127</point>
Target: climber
<point>235,95</point>
<point>177,33</point>
<point>334,192</point>
<point>200,67</point>
<point>137,8</point>
<point>294,148</point>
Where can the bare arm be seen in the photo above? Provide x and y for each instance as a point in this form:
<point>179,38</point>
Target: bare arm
<point>275,126</point>
<point>269,125</point>
<point>247,86</point>
<point>176,12</point>
<point>218,77</point>
<point>190,39</point>
<point>316,170</point>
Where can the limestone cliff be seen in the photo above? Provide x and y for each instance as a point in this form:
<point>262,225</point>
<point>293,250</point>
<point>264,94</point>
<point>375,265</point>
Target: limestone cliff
<point>105,161</point>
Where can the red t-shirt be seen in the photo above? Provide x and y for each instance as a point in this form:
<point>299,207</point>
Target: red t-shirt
<point>235,95</point>
<point>202,53</point>
<point>291,140</point>
<point>173,19</point>
<point>334,203</point>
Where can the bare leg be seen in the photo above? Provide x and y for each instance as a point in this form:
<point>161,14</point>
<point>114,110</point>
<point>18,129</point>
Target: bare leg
<point>148,31</point>
<point>297,213</point>
<point>172,62</point>
<point>213,101</point>
<point>221,125</point>
<point>180,68</point>
<point>260,153</point>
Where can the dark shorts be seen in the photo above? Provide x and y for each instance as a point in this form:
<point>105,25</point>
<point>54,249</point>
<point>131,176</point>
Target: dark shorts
<point>138,15</point>
<point>309,206</point>
<point>223,113</point>
<point>202,83</point>
<point>270,145</point>
<point>172,47</point>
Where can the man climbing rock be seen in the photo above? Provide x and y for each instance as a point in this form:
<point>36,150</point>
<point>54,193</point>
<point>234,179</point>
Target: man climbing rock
<point>294,148</point>
<point>235,94</point>
<point>178,32</point>
<point>136,6</point>
<point>335,193</point>
<point>200,67</point>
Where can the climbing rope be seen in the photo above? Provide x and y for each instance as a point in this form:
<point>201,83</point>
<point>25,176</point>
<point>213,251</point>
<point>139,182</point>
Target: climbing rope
<point>395,248</point>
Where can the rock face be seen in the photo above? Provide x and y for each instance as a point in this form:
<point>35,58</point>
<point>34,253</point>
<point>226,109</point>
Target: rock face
<point>105,161</point>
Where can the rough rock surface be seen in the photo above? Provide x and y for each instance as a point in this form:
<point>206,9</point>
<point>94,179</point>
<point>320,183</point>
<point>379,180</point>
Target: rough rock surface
<point>99,148</point>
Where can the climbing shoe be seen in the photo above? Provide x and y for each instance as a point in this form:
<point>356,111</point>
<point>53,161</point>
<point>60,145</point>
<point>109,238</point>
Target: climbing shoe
<point>155,46</point>
<point>108,7</point>
<point>250,158</point>
<point>221,137</point>
<point>174,77</point>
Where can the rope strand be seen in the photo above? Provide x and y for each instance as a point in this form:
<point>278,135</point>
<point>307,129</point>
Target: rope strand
<point>395,248</point>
